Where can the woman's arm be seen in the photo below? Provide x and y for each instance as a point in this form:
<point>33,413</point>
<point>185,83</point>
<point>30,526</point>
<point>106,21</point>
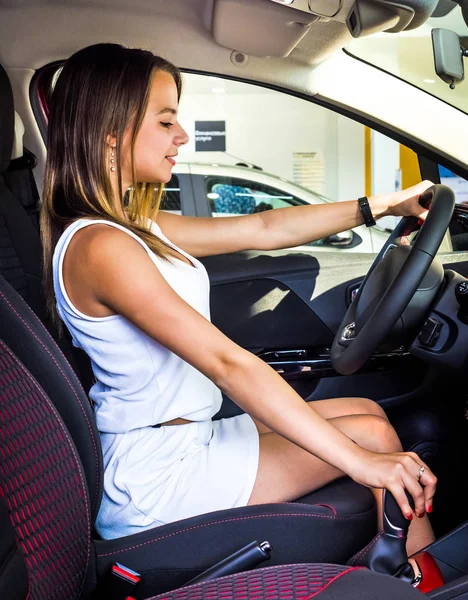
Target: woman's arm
<point>134,288</point>
<point>283,227</point>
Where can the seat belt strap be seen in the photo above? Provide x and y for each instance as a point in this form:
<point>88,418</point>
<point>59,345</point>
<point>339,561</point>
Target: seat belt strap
<point>19,179</point>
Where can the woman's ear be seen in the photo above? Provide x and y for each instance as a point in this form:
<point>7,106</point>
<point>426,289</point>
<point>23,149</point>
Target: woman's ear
<point>111,141</point>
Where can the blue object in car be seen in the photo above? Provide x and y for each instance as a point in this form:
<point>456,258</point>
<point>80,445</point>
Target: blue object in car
<point>233,199</point>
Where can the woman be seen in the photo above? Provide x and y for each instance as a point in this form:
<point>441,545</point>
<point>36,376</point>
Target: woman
<point>138,303</point>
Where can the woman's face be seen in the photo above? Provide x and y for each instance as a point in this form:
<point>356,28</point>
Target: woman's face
<point>160,135</point>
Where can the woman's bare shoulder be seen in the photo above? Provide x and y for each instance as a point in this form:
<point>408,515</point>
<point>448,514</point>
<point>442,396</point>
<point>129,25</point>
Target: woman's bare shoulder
<point>102,242</point>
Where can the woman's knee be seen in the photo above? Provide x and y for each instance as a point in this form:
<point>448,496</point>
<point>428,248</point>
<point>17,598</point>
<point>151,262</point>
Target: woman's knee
<point>382,436</point>
<point>365,406</point>
<point>370,431</point>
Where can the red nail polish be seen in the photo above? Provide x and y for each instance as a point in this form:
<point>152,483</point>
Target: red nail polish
<point>410,517</point>
<point>429,508</point>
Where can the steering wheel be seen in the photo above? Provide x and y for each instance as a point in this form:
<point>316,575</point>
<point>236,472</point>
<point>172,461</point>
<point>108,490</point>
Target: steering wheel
<point>391,283</point>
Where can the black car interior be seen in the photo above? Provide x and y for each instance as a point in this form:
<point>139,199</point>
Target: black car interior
<point>344,511</point>
<point>325,543</point>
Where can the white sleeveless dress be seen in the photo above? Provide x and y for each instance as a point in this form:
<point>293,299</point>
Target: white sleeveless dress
<point>154,476</point>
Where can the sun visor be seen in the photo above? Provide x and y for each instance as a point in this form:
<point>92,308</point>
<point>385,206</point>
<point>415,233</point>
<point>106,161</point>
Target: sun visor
<point>275,27</point>
<point>259,27</point>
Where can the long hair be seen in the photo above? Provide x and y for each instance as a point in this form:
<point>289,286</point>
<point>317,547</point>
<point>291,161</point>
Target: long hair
<point>102,90</point>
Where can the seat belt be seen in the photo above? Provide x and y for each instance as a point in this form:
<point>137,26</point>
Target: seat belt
<point>19,179</point>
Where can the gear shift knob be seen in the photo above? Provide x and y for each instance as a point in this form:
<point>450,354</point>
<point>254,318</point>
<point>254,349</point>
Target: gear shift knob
<point>386,553</point>
<point>394,521</point>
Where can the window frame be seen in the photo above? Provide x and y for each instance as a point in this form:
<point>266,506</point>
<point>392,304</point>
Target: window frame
<point>42,74</point>
<point>428,159</point>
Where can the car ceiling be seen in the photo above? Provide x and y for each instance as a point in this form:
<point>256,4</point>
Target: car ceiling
<point>35,32</point>
<point>198,35</point>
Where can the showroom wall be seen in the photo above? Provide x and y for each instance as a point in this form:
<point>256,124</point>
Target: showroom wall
<point>279,133</point>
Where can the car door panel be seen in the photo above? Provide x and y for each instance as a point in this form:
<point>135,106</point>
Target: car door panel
<point>322,284</point>
<point>285,307</point>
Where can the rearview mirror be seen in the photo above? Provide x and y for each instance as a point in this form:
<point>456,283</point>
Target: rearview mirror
<point>448,56</point>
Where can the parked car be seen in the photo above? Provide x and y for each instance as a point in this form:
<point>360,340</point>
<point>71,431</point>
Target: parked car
<point>208,189</point>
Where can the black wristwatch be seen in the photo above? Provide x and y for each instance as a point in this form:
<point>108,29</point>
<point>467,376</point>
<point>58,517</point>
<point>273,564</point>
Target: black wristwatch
<point>369,220</point>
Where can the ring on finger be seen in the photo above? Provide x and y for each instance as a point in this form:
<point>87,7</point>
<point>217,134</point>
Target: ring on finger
<point>422,468</point>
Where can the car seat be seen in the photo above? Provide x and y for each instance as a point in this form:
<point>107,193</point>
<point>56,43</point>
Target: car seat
<point>20,244</point>
<point>46,517</point>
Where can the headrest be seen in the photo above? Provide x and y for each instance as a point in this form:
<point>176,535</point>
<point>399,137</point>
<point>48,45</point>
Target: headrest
<point>7,120</point>
<point>17,151</point>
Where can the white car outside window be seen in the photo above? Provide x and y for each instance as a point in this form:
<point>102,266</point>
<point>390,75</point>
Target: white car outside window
<point>234,190</point>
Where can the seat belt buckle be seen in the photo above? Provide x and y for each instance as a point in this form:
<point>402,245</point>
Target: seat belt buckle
<point>122,583</point>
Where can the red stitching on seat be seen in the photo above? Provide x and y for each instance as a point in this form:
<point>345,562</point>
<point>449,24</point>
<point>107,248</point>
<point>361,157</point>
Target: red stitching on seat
<point>366,549</point>
<point>332,508</point>
<point>98,478</point>
<point>64,430</point>
<point>233,520</point>
<point>321,504</point>
<point>333,580</point>
<point>277,568</point>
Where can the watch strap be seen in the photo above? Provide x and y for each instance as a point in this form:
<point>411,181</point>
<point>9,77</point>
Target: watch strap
<point>369,220</point>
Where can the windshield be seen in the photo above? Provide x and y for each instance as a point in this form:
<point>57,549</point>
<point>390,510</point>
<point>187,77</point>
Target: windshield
<point>409,55</point>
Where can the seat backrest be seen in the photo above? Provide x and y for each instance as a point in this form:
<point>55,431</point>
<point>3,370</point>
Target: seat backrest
<point>21,328</point>
<point>19,177</point>
<point>43,486</point>
<point>20,243</point>
<point>30,341</point>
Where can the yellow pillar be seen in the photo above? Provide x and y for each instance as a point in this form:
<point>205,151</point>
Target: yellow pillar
<point>409,165</point>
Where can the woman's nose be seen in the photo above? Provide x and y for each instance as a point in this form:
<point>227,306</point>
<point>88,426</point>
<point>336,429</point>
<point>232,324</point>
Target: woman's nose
<point>182,137</point>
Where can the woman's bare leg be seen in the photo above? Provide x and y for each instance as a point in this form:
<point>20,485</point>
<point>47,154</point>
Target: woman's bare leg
<point>339,407</point>
<point>287,472</point>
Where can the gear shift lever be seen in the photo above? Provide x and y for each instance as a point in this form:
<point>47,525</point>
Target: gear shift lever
<point>386,553</point>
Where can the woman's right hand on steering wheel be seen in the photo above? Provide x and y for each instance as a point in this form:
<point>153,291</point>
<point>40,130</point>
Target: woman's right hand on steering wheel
<point>396,472</point>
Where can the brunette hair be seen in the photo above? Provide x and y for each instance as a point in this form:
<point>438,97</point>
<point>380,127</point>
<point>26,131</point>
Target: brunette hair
<point>102,89</point>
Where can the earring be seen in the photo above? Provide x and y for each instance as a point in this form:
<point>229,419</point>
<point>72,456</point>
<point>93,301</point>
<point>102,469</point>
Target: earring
<point>112,160</point>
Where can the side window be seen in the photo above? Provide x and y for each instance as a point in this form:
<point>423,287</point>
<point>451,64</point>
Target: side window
<point>170,201</point>
<point>459,224</point>
<point>259,149</point>
<point>253,159</point>
<point>230,196</point>
<point>458,184</point>
<point>233,196</point>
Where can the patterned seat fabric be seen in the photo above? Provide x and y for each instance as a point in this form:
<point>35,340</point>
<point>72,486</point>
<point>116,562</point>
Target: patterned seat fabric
<point>299,582</point>
<point>43,486</point>
<point>288,581</point>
